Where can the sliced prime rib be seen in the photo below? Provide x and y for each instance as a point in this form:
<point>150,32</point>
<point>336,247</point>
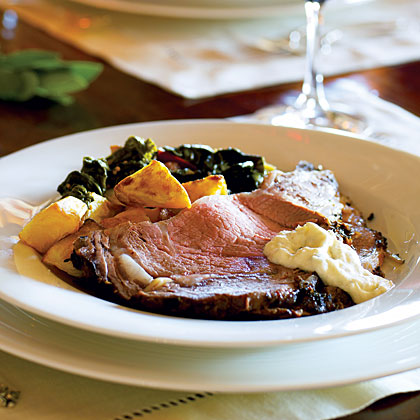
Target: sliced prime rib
<point>211,255</point>
<point>294,198</point>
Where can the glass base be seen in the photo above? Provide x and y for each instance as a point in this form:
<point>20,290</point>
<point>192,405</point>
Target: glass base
<point>303,118</point>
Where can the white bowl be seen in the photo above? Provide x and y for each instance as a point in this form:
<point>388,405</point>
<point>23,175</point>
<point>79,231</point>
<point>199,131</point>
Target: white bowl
<point>379,180</point>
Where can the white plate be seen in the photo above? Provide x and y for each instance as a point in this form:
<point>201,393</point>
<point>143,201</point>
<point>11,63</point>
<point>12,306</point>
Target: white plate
<point>212,9</point>
<point>378,179</point>
<point>200,9</point>
<point>288,367</point>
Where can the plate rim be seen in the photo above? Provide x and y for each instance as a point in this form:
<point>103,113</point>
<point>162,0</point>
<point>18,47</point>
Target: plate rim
<point>47,350</point>
<point>192,12</point>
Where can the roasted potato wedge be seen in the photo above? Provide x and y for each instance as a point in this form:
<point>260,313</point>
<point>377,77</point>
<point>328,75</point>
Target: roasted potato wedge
<point>269,167</point>
<point>152,186</point>
<point>53,223</point>
<point>112,198</point>
<point>100,208</point>
<point>210,185</point>
<point>58,255</point>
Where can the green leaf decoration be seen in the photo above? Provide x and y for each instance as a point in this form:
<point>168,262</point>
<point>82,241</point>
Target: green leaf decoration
<point>24,59</point>
<point>47,64</point>
<point>10,83</point>
<point>61,82</point>
<point>29,73</point>
<point>19,86</point>
<point>88,70</point>
<point>29,80</point>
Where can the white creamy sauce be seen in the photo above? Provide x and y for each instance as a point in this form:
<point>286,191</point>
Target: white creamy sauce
<point>312,248</point>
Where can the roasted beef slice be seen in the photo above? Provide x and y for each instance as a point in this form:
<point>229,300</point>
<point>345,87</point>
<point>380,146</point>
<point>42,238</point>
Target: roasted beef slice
<point>210,257</point>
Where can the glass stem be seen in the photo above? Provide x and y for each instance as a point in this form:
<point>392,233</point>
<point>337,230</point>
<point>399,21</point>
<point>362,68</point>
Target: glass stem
<point>312,97</point>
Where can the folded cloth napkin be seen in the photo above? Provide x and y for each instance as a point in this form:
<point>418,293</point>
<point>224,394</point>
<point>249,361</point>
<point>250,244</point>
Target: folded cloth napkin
<point>201,58</point>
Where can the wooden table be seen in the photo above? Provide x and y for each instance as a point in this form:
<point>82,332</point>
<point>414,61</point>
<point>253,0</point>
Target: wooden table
<point>116,98</point>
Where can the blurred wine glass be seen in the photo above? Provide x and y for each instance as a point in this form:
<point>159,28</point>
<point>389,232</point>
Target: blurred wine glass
<point>311,108</point>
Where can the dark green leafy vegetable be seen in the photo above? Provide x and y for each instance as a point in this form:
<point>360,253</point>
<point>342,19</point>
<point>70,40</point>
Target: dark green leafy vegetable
<point>97,175</point>
<point>136,154</point>
<point>187,162</point>
<point>77,190</point>
<point>98,169</point>
<point>242,172</point>
<point>28,73</point>
<point>199,155</point>
<point>91,178</point>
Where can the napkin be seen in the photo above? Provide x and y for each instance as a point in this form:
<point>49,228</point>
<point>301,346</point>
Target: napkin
<point>200,58</point>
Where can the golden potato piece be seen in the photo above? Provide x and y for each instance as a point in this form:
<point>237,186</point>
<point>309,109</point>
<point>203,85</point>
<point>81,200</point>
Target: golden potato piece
<point>112,198</point>
<point>210,185</point>
<point>100,208</point>
<point>152,186</point>
<point>51,224</point>
<point>132,214</point>
<point>269,167</point>
<point>59,253</point>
